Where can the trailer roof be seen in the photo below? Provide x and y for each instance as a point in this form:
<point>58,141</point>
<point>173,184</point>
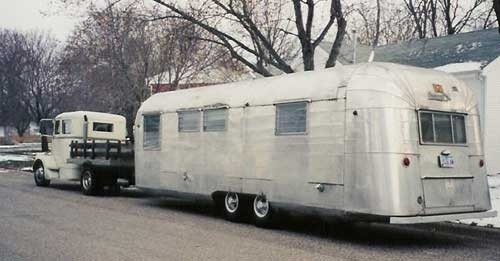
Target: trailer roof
<point>407,84</point>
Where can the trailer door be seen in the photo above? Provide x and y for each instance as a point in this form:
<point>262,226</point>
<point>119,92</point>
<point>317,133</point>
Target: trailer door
<point>326,131</point>
<point>447,181</point>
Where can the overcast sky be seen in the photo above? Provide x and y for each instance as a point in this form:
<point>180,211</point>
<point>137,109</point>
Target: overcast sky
<point>27,15</point>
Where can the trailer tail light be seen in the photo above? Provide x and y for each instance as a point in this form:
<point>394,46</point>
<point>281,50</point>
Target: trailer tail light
<point>406,162</point>
<point>481,163</point>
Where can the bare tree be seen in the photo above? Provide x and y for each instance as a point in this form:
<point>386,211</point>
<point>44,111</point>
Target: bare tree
<point>381,22</point>
<point>182,52</point>
<point>496,7</point>
<point>433,18</point>
<point>250,44</point>
<point>457,15</point>
<point>110,55</point>
<point>27,78</point>
<point>44,89</point>
<point>423,13</point>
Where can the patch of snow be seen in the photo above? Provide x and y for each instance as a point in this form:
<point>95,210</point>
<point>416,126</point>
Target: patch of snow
<point>27,169</point>
<point>494,183</point>
<point>460,67</point>
<point>475,45</point>
<point>14,157</point>
<point>460,48</point>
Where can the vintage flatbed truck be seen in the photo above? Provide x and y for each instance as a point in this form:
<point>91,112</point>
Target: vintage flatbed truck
<point>89,147</point>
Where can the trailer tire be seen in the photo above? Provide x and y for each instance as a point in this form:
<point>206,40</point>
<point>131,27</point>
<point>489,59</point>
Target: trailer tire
<point>39,175</point>
<point>262,212</point>
<point>232,203</point>
<point>89,183</point>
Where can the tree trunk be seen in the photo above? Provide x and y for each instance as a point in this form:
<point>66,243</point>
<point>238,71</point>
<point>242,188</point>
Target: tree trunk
<point>496,6</point>
<point>7,140</point>
<point>337,44</point>
<point>308,58</point>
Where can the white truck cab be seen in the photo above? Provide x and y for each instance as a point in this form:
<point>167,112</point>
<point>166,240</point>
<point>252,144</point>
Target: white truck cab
<point>83,145</point>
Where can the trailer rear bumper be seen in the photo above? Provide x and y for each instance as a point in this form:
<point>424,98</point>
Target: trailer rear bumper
<point>439,218</point>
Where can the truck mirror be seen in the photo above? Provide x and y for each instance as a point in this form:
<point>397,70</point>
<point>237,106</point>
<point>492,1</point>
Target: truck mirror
<point>47,127</point>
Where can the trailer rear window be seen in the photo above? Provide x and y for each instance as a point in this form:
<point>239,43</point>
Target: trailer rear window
<point>291,118</point>
<point>102,127</point>
<point>442,128</point>
<point>151,132</point>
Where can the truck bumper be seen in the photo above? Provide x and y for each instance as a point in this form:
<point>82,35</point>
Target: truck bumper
<point>439,218</point>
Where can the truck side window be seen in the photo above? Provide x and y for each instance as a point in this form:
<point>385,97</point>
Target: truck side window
<point>66,127</point>
<point>151,133</point>
<point>56,128</point>
<point>291,118</point>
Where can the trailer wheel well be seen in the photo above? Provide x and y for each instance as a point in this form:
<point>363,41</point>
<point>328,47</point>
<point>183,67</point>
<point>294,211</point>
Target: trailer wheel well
<point>218,195</point>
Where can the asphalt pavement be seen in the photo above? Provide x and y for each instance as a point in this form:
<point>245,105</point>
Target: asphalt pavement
<point>59,223</point>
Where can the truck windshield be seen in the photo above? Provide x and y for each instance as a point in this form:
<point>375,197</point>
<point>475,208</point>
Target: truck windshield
<point>442,128</point>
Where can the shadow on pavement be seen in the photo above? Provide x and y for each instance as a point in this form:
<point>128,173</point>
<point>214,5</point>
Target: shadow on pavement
<point>430,235</point>
<point>75,188</point>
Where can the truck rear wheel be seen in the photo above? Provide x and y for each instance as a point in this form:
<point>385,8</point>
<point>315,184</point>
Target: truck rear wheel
<point>88,182</point>
<point>39,176</point>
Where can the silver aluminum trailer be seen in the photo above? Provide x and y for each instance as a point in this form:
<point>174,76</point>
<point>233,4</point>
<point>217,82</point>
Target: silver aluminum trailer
<point>377,141</point>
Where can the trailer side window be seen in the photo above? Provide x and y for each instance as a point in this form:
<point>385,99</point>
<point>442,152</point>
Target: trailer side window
<point>215,120</point>
<point>189,121</point>
<point>66,127</point>
<point>442,128</point>
<point>102,127</point>
<point>291,118</point>
<point>151,132</point>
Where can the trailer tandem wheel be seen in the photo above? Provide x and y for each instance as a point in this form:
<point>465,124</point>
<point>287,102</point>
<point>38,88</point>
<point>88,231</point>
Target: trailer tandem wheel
<point>262,212</point>
<point>232,207</point>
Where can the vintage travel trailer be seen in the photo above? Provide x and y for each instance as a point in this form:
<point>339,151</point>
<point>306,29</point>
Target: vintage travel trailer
<point>89,147</point>
<point>377,141</point>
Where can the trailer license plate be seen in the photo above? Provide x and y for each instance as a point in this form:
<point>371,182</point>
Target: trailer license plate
<point>446,161</point>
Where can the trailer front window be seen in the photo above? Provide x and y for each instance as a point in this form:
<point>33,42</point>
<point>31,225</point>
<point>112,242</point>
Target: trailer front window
<point>442,128</point>
<point>189,121</point>
<point>151,132</point>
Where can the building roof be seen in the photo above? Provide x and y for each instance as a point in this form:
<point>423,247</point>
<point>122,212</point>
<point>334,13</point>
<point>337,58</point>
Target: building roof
<point>479,46</point>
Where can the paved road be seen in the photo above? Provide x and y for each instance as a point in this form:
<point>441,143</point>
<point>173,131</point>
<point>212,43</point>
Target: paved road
<point>58,223</point>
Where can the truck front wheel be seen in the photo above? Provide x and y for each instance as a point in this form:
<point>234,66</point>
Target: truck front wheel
<point>89,182</point>
<point>39,175</point>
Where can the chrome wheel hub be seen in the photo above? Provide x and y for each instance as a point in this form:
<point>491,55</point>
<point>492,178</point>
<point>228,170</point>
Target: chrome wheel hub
<point>39,175</point>
<point>232,202</point>
<point>261,206</point>
<point>87,181</point>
